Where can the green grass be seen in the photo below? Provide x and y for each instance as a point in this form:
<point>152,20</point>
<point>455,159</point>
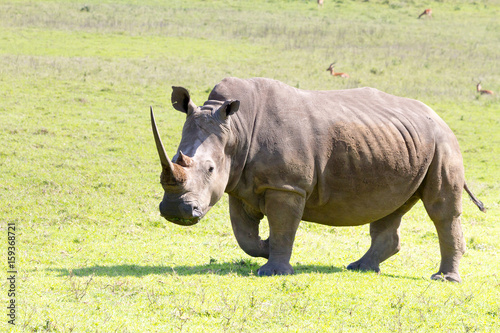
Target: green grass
<point>79,173</point>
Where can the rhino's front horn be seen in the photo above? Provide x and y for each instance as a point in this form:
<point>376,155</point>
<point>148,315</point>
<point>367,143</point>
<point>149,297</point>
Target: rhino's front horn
<point>173,173</point>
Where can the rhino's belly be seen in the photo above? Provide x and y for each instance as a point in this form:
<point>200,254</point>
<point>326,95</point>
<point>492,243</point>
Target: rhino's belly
<point>352,209</point>
<point>359,186</point>
<point>346,196</point>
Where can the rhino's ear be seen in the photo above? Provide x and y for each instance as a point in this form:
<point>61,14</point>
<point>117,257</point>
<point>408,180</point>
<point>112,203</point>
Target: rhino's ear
<point>228,108</point>
<point>181,101</point>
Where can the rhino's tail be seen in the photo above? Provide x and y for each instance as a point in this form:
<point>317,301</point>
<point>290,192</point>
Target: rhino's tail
<point>475,200</point>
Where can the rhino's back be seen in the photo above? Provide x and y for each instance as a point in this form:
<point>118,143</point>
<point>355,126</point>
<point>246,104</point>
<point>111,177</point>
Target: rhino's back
<point>356,155</point>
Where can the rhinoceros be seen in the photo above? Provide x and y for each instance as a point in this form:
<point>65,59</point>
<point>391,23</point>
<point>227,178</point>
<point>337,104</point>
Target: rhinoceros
<point>338,158</point>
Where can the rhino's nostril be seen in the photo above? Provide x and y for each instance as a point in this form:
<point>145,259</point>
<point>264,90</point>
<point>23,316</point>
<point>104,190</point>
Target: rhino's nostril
<point>196,212</point>
<point>189,211</point>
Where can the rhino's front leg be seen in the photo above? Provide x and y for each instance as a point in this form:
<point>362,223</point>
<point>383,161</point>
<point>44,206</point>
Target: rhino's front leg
<point>245,224</point>
<point>284,211</point>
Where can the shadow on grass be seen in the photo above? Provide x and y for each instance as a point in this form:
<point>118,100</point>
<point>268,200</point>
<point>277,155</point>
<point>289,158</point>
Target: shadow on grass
<point>241,267</point>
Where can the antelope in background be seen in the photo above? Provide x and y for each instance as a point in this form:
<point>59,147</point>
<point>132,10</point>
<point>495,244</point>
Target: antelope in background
<point>332,71</point>
<point>320,3</point>
<point>483,91</point>
<point>427,12</point>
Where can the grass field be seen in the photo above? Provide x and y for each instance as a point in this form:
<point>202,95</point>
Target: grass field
<point>79,173</point>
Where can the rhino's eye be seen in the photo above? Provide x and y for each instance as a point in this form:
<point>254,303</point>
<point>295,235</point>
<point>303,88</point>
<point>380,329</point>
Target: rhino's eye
<point>209,167</point>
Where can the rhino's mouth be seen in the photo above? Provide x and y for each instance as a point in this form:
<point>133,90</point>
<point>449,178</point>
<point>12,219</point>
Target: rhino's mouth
<point>181,221</point>
<point>181,213</point>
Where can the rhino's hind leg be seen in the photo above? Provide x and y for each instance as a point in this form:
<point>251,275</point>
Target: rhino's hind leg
<point>446,217</point>
<point>385,239</point>
<point>442,198</point>
<point>452,246</point>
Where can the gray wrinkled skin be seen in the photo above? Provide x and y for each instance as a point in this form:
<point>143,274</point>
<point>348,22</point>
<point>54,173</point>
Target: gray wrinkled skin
<point>339,158</point>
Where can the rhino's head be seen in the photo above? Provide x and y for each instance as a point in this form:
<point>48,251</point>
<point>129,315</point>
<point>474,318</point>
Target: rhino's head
<point>196,177</point>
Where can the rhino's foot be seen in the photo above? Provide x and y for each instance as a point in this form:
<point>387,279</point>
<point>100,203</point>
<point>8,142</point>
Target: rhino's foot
<point>363,265</point>
<point>275,269</point>
<point>452,277</point>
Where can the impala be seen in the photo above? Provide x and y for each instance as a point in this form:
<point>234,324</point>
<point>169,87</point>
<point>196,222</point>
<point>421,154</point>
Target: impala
<point>332,71</point>
<point>427,12</point>
<point>483,91</point>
